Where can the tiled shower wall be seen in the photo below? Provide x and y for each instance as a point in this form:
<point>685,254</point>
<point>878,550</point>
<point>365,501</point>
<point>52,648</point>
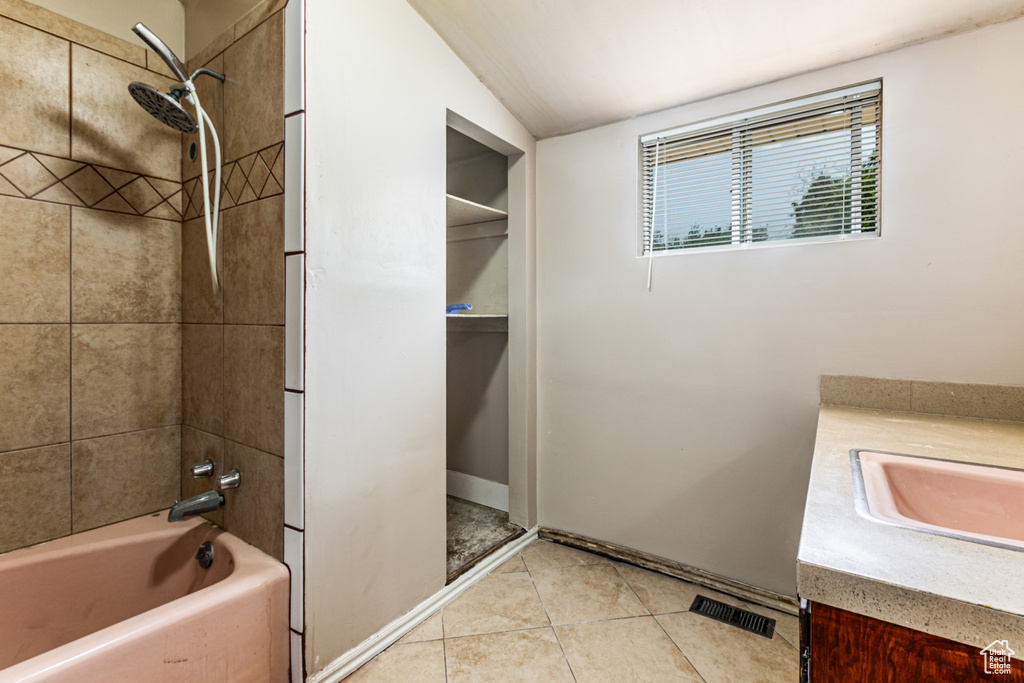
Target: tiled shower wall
<point>233,341</point>
<point>90,291</point>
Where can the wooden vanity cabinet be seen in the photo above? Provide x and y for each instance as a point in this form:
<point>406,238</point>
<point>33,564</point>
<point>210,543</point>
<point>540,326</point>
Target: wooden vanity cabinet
<point>837,646</point>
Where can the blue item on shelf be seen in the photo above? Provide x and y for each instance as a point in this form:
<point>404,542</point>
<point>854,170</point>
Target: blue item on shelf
<point>455,308</point>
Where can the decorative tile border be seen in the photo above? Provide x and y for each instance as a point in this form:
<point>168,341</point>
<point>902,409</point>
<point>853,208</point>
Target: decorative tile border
<point>46,178</point>
<point>256,176</point>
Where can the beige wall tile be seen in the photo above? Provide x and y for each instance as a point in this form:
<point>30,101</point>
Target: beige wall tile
<point>197,446</point>
<point>500,602</point>
<point>254,263</point>
<point>35,80</point>
<point>514,657</point>
<point>255,67</point>
<point>865,392</point>
<point>28,175</point>
<point>202,377</point>
<point>722,654</point>
<point>156,63</point>
<point>59,194</point>
<point>124,378</point>
<point>420,662</point>
<point>34,367</point>
<point>51,22</point>
<point>8,189</point>
<point>200,303</point>
<point>108,128</point>
<point>586,593</point>
<point>126,269</point>
<point>257,15</point>
<point>213,48</point>
<point>35,495</point>
<point>995,402</point>
<point>35,261</point>
<point>89,186</point>
<point>9,153</point>
<point>254,386</point>
<point>141,195</point>
<point>625,650</point>
<point>255,510</point>
<point>211,95</point>
<point>125,475</point>
<point>548,555</point>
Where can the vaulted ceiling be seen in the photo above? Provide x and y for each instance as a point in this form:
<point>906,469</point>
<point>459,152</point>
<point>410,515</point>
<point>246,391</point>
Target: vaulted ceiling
<point>567,65</point>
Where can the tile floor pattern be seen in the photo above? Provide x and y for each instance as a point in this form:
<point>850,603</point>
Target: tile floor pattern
<point>557,614</point>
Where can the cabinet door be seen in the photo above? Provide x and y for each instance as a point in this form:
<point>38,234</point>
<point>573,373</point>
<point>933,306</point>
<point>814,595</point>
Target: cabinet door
<point>847,647</point>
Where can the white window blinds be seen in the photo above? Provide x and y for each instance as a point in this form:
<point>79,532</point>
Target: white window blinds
<point>801,170</point>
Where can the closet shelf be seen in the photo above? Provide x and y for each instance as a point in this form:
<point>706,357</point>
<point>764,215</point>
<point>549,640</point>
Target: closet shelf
<point>464,212</point>
<point>461,322</point>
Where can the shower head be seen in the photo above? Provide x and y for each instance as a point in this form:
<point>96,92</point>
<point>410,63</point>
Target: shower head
<point>163,107</point>
<point>158,46</point>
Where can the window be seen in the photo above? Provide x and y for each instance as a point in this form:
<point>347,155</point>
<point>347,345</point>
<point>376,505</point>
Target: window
<point>800,170</point>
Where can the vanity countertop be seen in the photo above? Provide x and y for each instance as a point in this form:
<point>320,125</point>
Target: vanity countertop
<point>967,592</point>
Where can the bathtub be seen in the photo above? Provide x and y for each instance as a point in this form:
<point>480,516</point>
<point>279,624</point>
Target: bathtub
<point>129,602</point>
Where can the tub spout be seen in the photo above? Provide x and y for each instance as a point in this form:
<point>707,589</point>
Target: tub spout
<point>196,505</point>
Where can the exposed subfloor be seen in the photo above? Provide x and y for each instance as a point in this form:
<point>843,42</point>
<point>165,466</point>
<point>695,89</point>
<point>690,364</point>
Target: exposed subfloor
<point>473,532</point>
<point>554,614</point>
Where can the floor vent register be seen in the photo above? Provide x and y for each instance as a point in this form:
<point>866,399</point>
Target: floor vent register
<point>734,616</point>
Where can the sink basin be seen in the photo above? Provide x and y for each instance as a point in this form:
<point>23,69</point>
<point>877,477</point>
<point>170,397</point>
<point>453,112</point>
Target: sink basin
<point>979,503</point>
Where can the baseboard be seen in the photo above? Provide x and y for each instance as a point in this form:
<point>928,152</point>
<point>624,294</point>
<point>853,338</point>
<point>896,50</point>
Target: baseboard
<point>381,640</point>
<point>478,490</point>
<point>744,591</point>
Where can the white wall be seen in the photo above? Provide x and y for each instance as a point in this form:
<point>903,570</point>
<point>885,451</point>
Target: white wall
<point>681,421</point>
<point>166,18</point>
<point>379,83</point>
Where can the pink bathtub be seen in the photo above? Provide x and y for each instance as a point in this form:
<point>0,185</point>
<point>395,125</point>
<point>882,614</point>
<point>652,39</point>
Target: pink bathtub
<point>128,602</point>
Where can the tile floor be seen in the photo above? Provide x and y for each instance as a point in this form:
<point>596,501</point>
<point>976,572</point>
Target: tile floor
<point>557,614</point>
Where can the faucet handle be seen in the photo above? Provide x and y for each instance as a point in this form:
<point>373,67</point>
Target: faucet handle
<point>229,480</point>
<point>203,469</point>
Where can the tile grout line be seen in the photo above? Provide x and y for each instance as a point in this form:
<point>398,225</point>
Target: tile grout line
<point>444,647</point>
<point>650,612</point>
<point>551,625</point>
<point>570,623</point>
<point>656,621</point>
<point>673,641</point>
<point>71,41</point>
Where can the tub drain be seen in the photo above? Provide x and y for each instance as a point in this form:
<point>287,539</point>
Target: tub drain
<point>204,556</point>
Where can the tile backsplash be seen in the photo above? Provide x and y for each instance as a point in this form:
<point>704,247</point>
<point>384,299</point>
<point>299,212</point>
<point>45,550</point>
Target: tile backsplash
<point>986,401</point>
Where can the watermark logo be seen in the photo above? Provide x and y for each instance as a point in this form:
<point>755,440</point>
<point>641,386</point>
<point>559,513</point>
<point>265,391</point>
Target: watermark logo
<point>997,657</point>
